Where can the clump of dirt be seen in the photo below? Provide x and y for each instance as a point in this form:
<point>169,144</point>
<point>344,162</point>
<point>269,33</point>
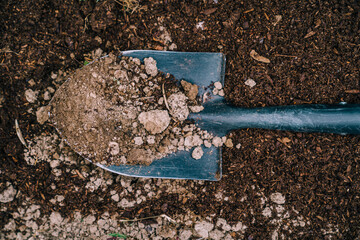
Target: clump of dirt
<point>121,111</point>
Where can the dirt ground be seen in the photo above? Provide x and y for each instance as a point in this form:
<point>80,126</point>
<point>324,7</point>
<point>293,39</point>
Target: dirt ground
<point>314,53</point>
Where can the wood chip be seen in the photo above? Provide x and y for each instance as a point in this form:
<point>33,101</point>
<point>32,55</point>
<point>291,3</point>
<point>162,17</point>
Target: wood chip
<point>311,33</point>
<point>277,19</point>
<point>259,58</point>
<point>209,11</point>
<point>352,91</point>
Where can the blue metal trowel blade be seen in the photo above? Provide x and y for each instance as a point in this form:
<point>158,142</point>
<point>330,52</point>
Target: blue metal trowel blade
<point>202,69</point>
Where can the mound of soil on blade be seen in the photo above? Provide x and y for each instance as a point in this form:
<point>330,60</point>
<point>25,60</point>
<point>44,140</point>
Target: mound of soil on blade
<point>119,111</point>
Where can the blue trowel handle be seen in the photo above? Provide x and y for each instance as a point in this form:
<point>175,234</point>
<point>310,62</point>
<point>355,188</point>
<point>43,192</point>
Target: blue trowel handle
<point>340,118</point>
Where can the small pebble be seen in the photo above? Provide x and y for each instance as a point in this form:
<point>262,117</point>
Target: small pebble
<point>32,82</point>
<point>138,140</point>
<point>54,76</point>
<point>218,85</point>
<point>47,96</point>
<point>215,91</point>
<point>250,82</point>
<point>229,143</point>
<point>31,96</point>
<point>221,93</point>
<point>197,153</point>
<point>207,143</point>
<point>51,90</point>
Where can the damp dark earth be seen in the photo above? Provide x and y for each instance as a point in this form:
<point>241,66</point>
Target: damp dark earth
<point>275,184</point>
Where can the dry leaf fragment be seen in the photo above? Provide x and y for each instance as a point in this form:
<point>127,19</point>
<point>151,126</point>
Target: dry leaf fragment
<point>284,141</point>
<point>209,11</point>
<point>259,58</point>
<point>234,17</point>
<point>311,33</point>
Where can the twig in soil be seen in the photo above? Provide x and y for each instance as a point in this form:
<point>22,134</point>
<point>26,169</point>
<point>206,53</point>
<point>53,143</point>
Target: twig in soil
<point>7,49</point>
<point>282,55</point>
<point>140,219</point>
<point>79,174</point>
<point>86,22</point>
<point>19,134</point>
<point>164,95</point>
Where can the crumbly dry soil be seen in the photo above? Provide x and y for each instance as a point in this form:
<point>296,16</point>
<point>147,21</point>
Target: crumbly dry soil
<point>120,111</point>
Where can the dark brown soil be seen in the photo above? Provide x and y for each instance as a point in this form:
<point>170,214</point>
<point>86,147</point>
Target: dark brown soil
<point>315,57</point>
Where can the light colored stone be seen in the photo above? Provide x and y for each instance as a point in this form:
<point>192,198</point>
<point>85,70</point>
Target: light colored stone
<point>51,89</point>
<point>221,222</point>
<point>11,225</point>
<point>197,153</point>
<point>150,139</point>
<point>155,121</point>
<point>191,90</point>
<point>114,148</point>
<point>207,143</point>
<point>32,82</point>
<point>218,85</point>
<point>115,197</point>
<point>178,106</point>
<point>42,114</point>
<point>168,233</point>
<point>31,96</point>
<point>200,25</point>
<point>221,93</point>
<point>217,142</point>
<point>277,198</point>
<point>150,66</point>
<point>54,163</point>
<point>93,229</point>
<point>238,146</point>
<point>266,212</point>
<point>250,82</point>
<point>239,227</point>
<point>215,91</point>
<point>136,61</point>
<point>196,109</point>
<point>89,219</point>
<point>59,198</point>
<point>122,75</point>
<point>193,140</point>
<point>138,140</point>
<point>229,143</point>
<point>124,203</point>
<point>47,96</point>
<point>203,228</point>
<point>55,218</point>
<point>216,234</point>
<point>53,75</point>
<point>172,47</point>
<point>185,235</point>
<point>8,194</point>
<point>279,209</point>
<point>32,224</point>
